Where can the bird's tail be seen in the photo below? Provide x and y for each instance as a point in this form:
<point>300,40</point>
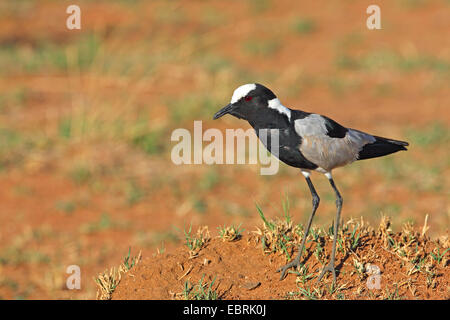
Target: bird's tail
<point>381,147</point>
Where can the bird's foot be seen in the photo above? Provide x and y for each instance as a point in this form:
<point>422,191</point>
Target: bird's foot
<point>328,267</point>
<point>293,264</point>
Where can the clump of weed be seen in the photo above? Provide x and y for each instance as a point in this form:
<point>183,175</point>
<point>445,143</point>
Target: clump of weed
<point>304,275</point>
<point>384,231</point>
<point>352,235</point>
<point>314,293</point>
<point>196,242</point>
<point>304,25</point>
<point>67,207</point>
<point>200,291</point>
<point>104,223</point>
<point>278,236</point>
<point>80,174</point>
<point>440,257</point>
<point>151,141</point>
<point>108,281</point>
<point>231,233</point>
<point>134,193</point>
<point>263,48</point>
<point>412,249</point>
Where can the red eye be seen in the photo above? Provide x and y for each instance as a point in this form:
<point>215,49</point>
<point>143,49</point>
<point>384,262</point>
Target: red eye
<point>248,98</point>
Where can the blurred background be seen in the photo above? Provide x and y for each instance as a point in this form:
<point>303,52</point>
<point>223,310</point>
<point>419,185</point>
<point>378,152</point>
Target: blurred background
<point>86,118</point>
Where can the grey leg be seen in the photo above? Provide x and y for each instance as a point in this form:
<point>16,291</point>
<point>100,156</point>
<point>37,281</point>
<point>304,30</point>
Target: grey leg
<point>339,201</point>
<point>315,202</point>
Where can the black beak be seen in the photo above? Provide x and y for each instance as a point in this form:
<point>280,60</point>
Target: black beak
<point>223,111</point>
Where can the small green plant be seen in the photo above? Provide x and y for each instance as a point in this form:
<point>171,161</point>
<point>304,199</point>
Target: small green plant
<point>231,233</point>
<point>209,180</point>
<point>65,128</point>
<point>108,281</point>
<point>80,174</point>
<point>134,193</point>
<point>151,142</point>
<point>359,267</point>
<point>264,48</point>
<point>260,6</point>
<point>319,252</point>
<point>196,242</point>
<point>308,293</point>
<point>279,235</point>
<point>104,223</point>
<point>392,295</point>
<point>199,205</point>
<point>67,207</point>
<point>304,25</point>
<point>303,274</point>
<point>340,245</point>
<point>268,224</point>
<point>437,256</point>
<point>340,296</point>
<point>162,249</point>
<point>286,209</point>
<point>331,230</point>
<point>200,291</point>
<point>191,243</point>
<point>354,239</point>
<point>129,262</point>
<point>315,234</point>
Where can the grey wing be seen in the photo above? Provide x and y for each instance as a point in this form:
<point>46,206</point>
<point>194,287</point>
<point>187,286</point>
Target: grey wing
<point>325,151</point>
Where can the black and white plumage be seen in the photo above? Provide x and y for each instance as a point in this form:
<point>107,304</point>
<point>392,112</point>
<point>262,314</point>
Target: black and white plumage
<point>307,141</point>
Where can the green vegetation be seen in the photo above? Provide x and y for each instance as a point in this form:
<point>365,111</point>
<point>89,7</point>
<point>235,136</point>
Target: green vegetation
<point>435,134</point>
<point>278,235</point>
<point>438,255</point>
<point>108,281</point>
<point>104,223</point>
<point>150,142</point>
<point>196,242</point>
<point>19,251</point>
<point>192,107</point>
<point>231,233</point>
<point>152,238</point>
<point>49,56</point>
<point>17,98</point>
<point>134,192</point>
<point>391,60</point>
<point>67,207</point>
<point>128,261</point>
<point>304,25</point>
<point>80,174</point>
<point>209,180</point>
<point>263,48</point>
<point>200,291</point>
<point>199,204</point>
<point>260,6</point>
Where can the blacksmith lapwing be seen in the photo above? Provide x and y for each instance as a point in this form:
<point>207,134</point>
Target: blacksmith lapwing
<point>307,141</point>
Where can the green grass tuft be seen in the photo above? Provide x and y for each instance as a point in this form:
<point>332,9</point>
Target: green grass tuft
<point>200,291</point>
<point>304,25</point>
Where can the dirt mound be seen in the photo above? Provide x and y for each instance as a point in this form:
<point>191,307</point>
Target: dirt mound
<point>371,264</point>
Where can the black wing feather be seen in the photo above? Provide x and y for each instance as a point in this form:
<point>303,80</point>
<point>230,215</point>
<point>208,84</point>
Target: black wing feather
<point>381,147</point>
<point>335,130</point>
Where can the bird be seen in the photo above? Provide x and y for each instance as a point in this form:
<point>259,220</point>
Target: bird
<point>309,142</point>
